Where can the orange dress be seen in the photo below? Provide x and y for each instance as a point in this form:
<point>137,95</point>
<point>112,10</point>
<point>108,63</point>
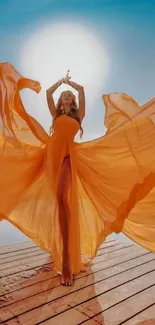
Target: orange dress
<point>112,178</point>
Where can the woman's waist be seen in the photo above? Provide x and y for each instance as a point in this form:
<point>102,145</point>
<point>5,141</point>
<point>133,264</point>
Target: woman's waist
<point>63,136</point>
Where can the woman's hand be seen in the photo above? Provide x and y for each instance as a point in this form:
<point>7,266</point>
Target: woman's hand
<point>54,87</point>
<point>60,82</point>
<point>72,84</point>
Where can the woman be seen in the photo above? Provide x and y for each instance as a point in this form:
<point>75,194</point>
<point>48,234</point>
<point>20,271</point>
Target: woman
<point>66,105</point>
<point>68,196</point>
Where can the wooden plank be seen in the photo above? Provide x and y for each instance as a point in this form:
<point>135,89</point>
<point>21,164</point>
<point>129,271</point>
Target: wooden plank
<point>31,263</point>
<point>119,313</point>
<point>46,305</point>
<point>146,317</point>
<point>17,247</point>
<point>114,243</point>
<point>11,265</point>
<point>101,274</point>
<point>16,259</point>
<point>118,253</point>
<point>20,261</point>
<point>109,249</point>
<point>31,244</point>
<point>17,279</point>
<point>113,248</point>
<point>22,252</point>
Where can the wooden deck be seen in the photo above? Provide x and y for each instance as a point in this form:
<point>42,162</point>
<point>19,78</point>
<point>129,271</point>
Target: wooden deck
<point>117,288</point>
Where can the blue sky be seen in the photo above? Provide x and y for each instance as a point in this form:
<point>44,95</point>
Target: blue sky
<point>127,25</point>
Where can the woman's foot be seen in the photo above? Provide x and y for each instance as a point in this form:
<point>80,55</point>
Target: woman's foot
<point>67,279</point>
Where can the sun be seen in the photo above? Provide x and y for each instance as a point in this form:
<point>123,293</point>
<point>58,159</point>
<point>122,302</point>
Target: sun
<point>52,49</point>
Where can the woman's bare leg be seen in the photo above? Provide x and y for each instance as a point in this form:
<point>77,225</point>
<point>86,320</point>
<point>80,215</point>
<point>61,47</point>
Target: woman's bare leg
<point>64,214</point>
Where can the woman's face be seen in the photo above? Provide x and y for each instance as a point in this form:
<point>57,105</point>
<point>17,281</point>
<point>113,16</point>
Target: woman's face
<point>67,99</point>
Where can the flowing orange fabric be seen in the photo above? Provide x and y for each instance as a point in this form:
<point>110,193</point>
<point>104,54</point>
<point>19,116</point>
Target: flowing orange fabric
<point>112,177</point>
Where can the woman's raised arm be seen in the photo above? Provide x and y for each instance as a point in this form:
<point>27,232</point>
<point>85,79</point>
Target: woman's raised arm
<point>80,90</point>
<point>50,99</point>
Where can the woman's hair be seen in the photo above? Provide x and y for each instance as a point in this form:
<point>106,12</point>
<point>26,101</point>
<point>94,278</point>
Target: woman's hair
<point>73,112</point>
